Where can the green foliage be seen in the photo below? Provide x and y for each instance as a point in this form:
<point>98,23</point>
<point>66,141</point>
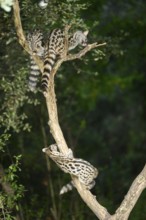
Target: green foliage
<point>3,140</point>
<point>57,14</point>
<point>10,201</point>
<point>13,100</point>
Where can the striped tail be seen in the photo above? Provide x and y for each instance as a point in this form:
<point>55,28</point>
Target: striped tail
<point>48,66</point>
<point>68,187</point>
<point>34,73</point>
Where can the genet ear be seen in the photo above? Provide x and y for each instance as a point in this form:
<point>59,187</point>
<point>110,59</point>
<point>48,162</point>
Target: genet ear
<point>85,33</point>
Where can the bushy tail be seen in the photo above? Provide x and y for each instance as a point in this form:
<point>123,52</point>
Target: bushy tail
<point>68,187</point>
<point>34,75</point>
<point>48,65</point>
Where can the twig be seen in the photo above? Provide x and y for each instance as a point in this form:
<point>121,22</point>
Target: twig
<point>84,51</point>
<point>75,56</point>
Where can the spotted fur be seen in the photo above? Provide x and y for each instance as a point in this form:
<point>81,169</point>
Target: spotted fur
<point>35,42</point>
<point>55,47</point>
<point>82,169</point>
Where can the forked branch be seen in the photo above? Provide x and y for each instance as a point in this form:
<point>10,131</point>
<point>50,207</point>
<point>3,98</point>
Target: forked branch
<point>139,183</point>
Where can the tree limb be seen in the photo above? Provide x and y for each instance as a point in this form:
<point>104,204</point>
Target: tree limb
<point>56,131</point>
<point>75,56</point>
<point>139,183</point>
<point>21,36</point>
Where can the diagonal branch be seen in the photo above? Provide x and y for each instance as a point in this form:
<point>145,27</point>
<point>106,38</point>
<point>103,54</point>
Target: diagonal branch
<point>21,36</point>
<point>84,51</point>
<point>56,131</point>
<point>75,56</point>
<point>138,185</point>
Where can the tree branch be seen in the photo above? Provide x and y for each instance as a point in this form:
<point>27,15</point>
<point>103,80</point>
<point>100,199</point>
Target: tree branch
<point>21,36</point>
<point>139,183</point>
<point>75,56</point>
<point>84,51</point>
<point>56,131</point>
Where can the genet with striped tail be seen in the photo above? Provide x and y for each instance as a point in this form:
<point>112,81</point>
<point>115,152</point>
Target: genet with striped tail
<point>35,42</point>
<point>82,169</point>
<point>55,46</point>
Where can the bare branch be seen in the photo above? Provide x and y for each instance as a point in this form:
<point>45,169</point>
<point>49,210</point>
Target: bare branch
<point>53,117</point>
<point>21,36</point>
<point>84,51</point>
<point>66,29</point>
<point>18,26</point>
<point>56,131</point>
<point>138,185</point>
<point>75,56</point>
